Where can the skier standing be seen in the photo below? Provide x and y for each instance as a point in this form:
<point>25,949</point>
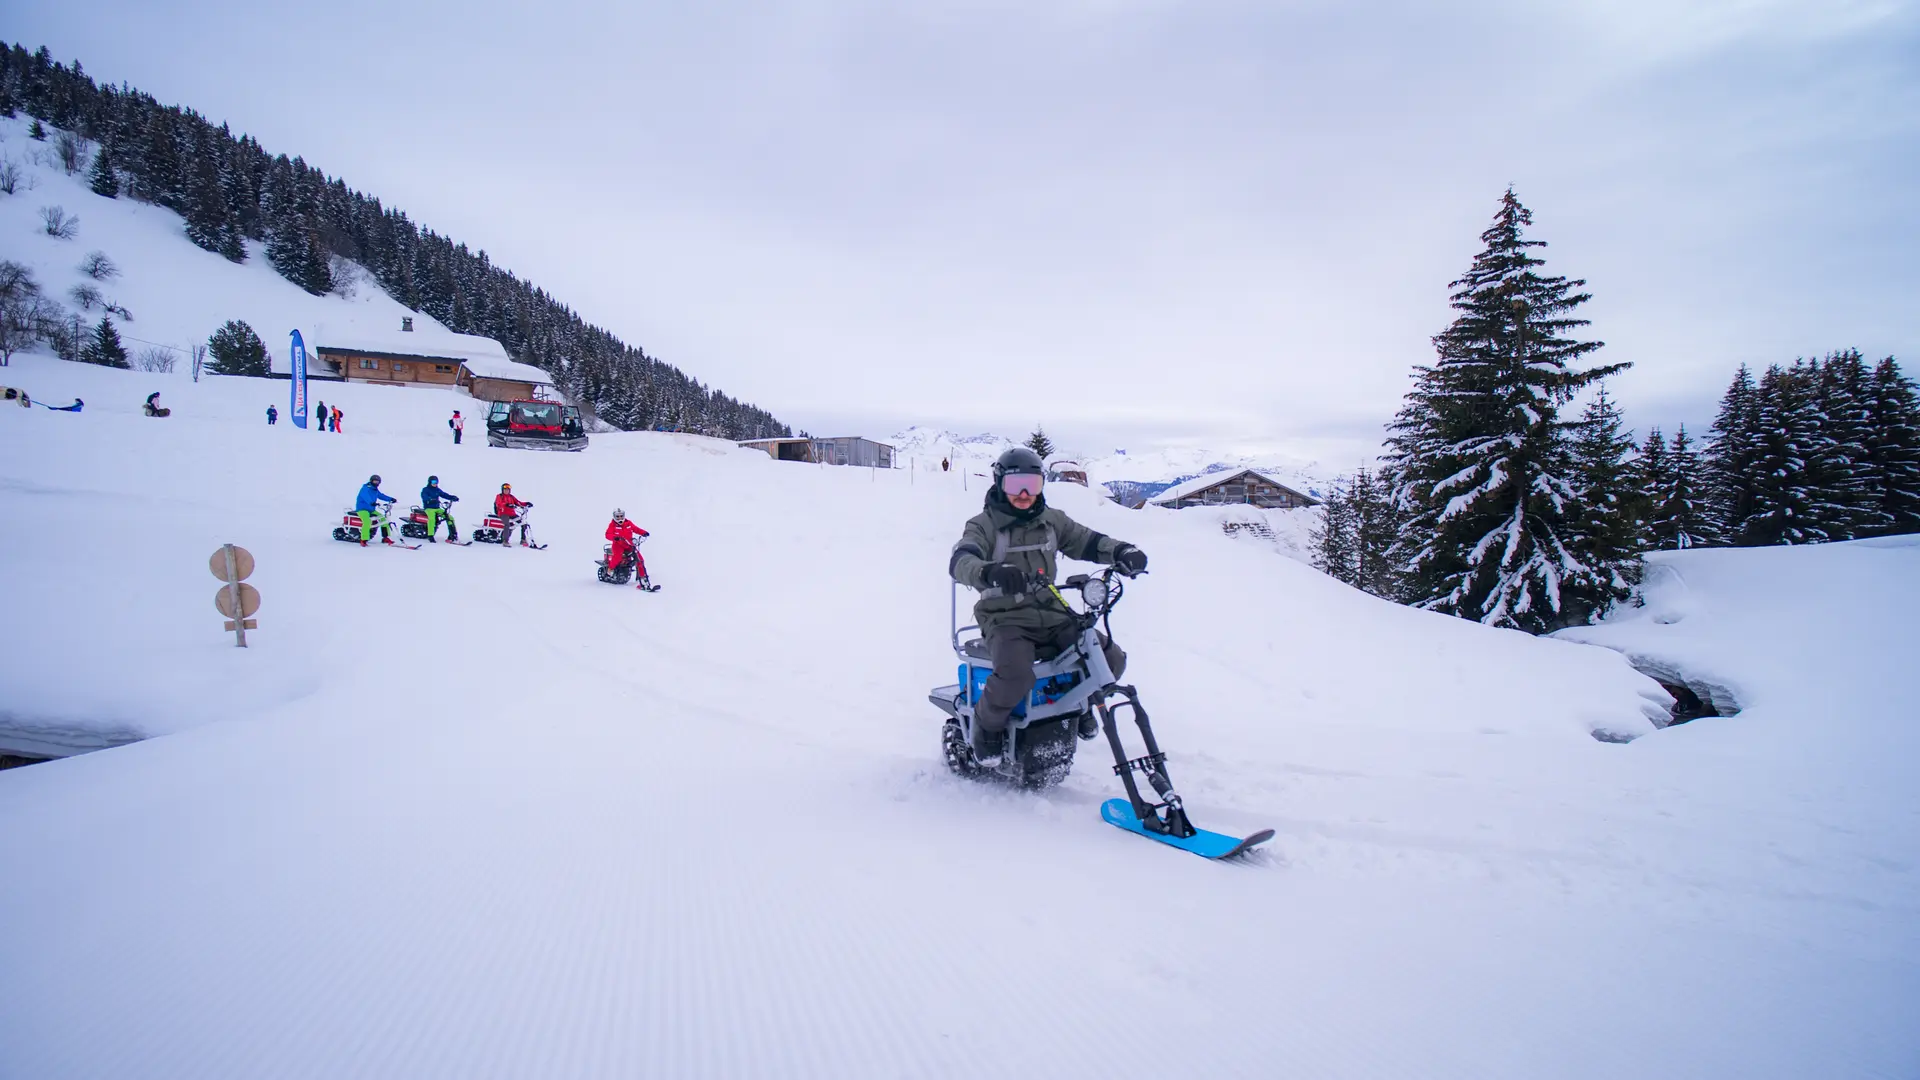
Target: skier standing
<point>1008,552</point>
<point>336,419</point>
<point>367,505</point>
<point>272,415</point>
<point>430,499</point>
<point>458,425</point>
<point>626,536</point>
<point>507,509</point>
<point>320,415</point>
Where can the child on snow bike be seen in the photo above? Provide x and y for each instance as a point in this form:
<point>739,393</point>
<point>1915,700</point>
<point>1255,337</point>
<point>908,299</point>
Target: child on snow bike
<point>368,506</point>
<point>625,537</point>
<point>507,508</point>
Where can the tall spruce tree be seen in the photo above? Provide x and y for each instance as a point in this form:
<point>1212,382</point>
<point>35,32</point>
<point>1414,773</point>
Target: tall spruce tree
<point>1335,535</point>
<point>1787,506</point>
<point>1608,510</point>
<point>1479,450</point>
<point>1040,444</point>
<point>101,178</point>
<point>1652,478</point>
<point>1840,466</point>
<point>1731,454</point>
<point>1893,450</point>
<point>1684,518</point>
<point>103,346</point>
<point>1376,525</point>
<point>209,223</point>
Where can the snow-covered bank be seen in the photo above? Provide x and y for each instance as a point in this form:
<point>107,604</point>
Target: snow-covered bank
<point>464,811</point>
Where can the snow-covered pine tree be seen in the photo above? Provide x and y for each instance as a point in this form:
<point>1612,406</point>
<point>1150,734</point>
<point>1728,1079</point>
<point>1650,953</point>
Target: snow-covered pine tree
<point>1479,450</point>
<point>209,224</point>
<point>235,349</point>
<point>1786,422</point>
<point>1652,478</point>
<point>1684,516</point>
<point>1893,449</point>
<point>1040,444</point>
<point>1334,539</point>
<point>161,180</point>
<point>101,178</point>
<point>1611,516</point>
<point>1376,525</point>
<point>1840,468</point>
<point>1731,454</point>
<point>103,346</point>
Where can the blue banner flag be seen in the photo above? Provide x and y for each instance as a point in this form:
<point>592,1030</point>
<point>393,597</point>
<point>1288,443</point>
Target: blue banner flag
<point>298,358</point>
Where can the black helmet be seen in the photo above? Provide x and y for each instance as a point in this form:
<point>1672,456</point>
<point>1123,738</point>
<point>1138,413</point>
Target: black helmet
<point>433,479</point>
<point>1019,459</point>
<point>374,479</point>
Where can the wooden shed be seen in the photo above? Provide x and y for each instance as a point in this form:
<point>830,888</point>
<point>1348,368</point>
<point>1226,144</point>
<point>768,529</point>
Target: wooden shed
<point>1231,487</point>
<point>843,450</point>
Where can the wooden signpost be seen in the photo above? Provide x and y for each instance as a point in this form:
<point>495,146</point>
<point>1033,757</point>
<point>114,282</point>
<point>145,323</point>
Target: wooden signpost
<point>232,566</point>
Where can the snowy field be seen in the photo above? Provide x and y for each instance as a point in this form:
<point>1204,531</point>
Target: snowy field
<point>467,812</point>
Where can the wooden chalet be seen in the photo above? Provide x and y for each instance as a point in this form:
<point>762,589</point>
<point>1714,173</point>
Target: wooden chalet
<point>433,356</point>
<point>1248,487</point>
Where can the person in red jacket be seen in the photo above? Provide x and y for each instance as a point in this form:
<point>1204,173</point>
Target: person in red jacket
<point>507,509</point>
<point>626,536</point>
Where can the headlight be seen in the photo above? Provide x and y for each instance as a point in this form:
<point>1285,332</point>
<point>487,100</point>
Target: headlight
<point>1094,592</point>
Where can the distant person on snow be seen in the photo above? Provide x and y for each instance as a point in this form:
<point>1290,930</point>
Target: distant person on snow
<point>507,509</point>
<point>272,415</point>
<point>1008,552</point>
<point>626,536</point>
<point>153,406</point>
<point>458,425</point>
<point>336,419</point>
<point>320,415</point>
<point>430,499</point>
<point>945,464</point>
<point>368,505</point>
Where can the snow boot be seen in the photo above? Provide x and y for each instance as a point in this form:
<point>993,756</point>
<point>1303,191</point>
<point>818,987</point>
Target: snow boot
<point>386,540</point>
<point>988,746</point>
<point>1089,725</point>
<point>363,543</point>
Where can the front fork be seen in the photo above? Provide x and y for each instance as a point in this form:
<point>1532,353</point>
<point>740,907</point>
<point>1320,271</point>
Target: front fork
<point>1169,818</point>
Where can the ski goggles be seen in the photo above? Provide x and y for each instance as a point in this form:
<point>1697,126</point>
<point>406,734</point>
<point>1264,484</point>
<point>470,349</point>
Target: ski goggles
<point>1021,483</point>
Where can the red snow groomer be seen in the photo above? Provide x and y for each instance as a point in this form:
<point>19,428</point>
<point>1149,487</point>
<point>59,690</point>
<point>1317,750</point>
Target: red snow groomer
<point>535,425</point>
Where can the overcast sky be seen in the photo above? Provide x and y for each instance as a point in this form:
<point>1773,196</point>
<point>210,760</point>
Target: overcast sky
<point>1131,220</point>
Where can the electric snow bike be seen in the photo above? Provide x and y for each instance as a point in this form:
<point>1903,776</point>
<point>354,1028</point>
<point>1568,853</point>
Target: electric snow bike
<point>495,529</point>
<point>415,525</point>
<point>1068,688</point>
<point>349,527</point>
<point>621,572</point>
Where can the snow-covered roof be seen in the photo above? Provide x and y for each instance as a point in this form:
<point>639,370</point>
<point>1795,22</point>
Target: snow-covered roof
<point>1206,480</point>
<point>483,356</point>
<point>428,341</point>
<point>507,369</point>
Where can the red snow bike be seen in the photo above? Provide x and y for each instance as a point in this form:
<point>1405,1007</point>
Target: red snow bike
<point>415,525</point>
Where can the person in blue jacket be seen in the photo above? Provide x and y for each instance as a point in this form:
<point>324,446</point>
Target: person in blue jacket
<point>431,497</point>
<point>369,506</point>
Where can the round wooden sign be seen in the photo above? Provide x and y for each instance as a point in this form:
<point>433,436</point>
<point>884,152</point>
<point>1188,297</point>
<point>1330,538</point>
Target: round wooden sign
<point>249,601</point>
<point>242,564</point>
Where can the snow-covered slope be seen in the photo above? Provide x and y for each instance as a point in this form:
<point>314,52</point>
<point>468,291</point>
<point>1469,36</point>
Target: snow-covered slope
<point>465,811</point>
<point>177,293</point>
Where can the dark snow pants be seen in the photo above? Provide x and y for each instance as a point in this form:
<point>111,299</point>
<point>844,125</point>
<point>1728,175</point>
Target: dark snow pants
<point>1014,649</point>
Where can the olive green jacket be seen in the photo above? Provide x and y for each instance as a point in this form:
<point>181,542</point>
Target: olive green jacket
<point>1032,540</point>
